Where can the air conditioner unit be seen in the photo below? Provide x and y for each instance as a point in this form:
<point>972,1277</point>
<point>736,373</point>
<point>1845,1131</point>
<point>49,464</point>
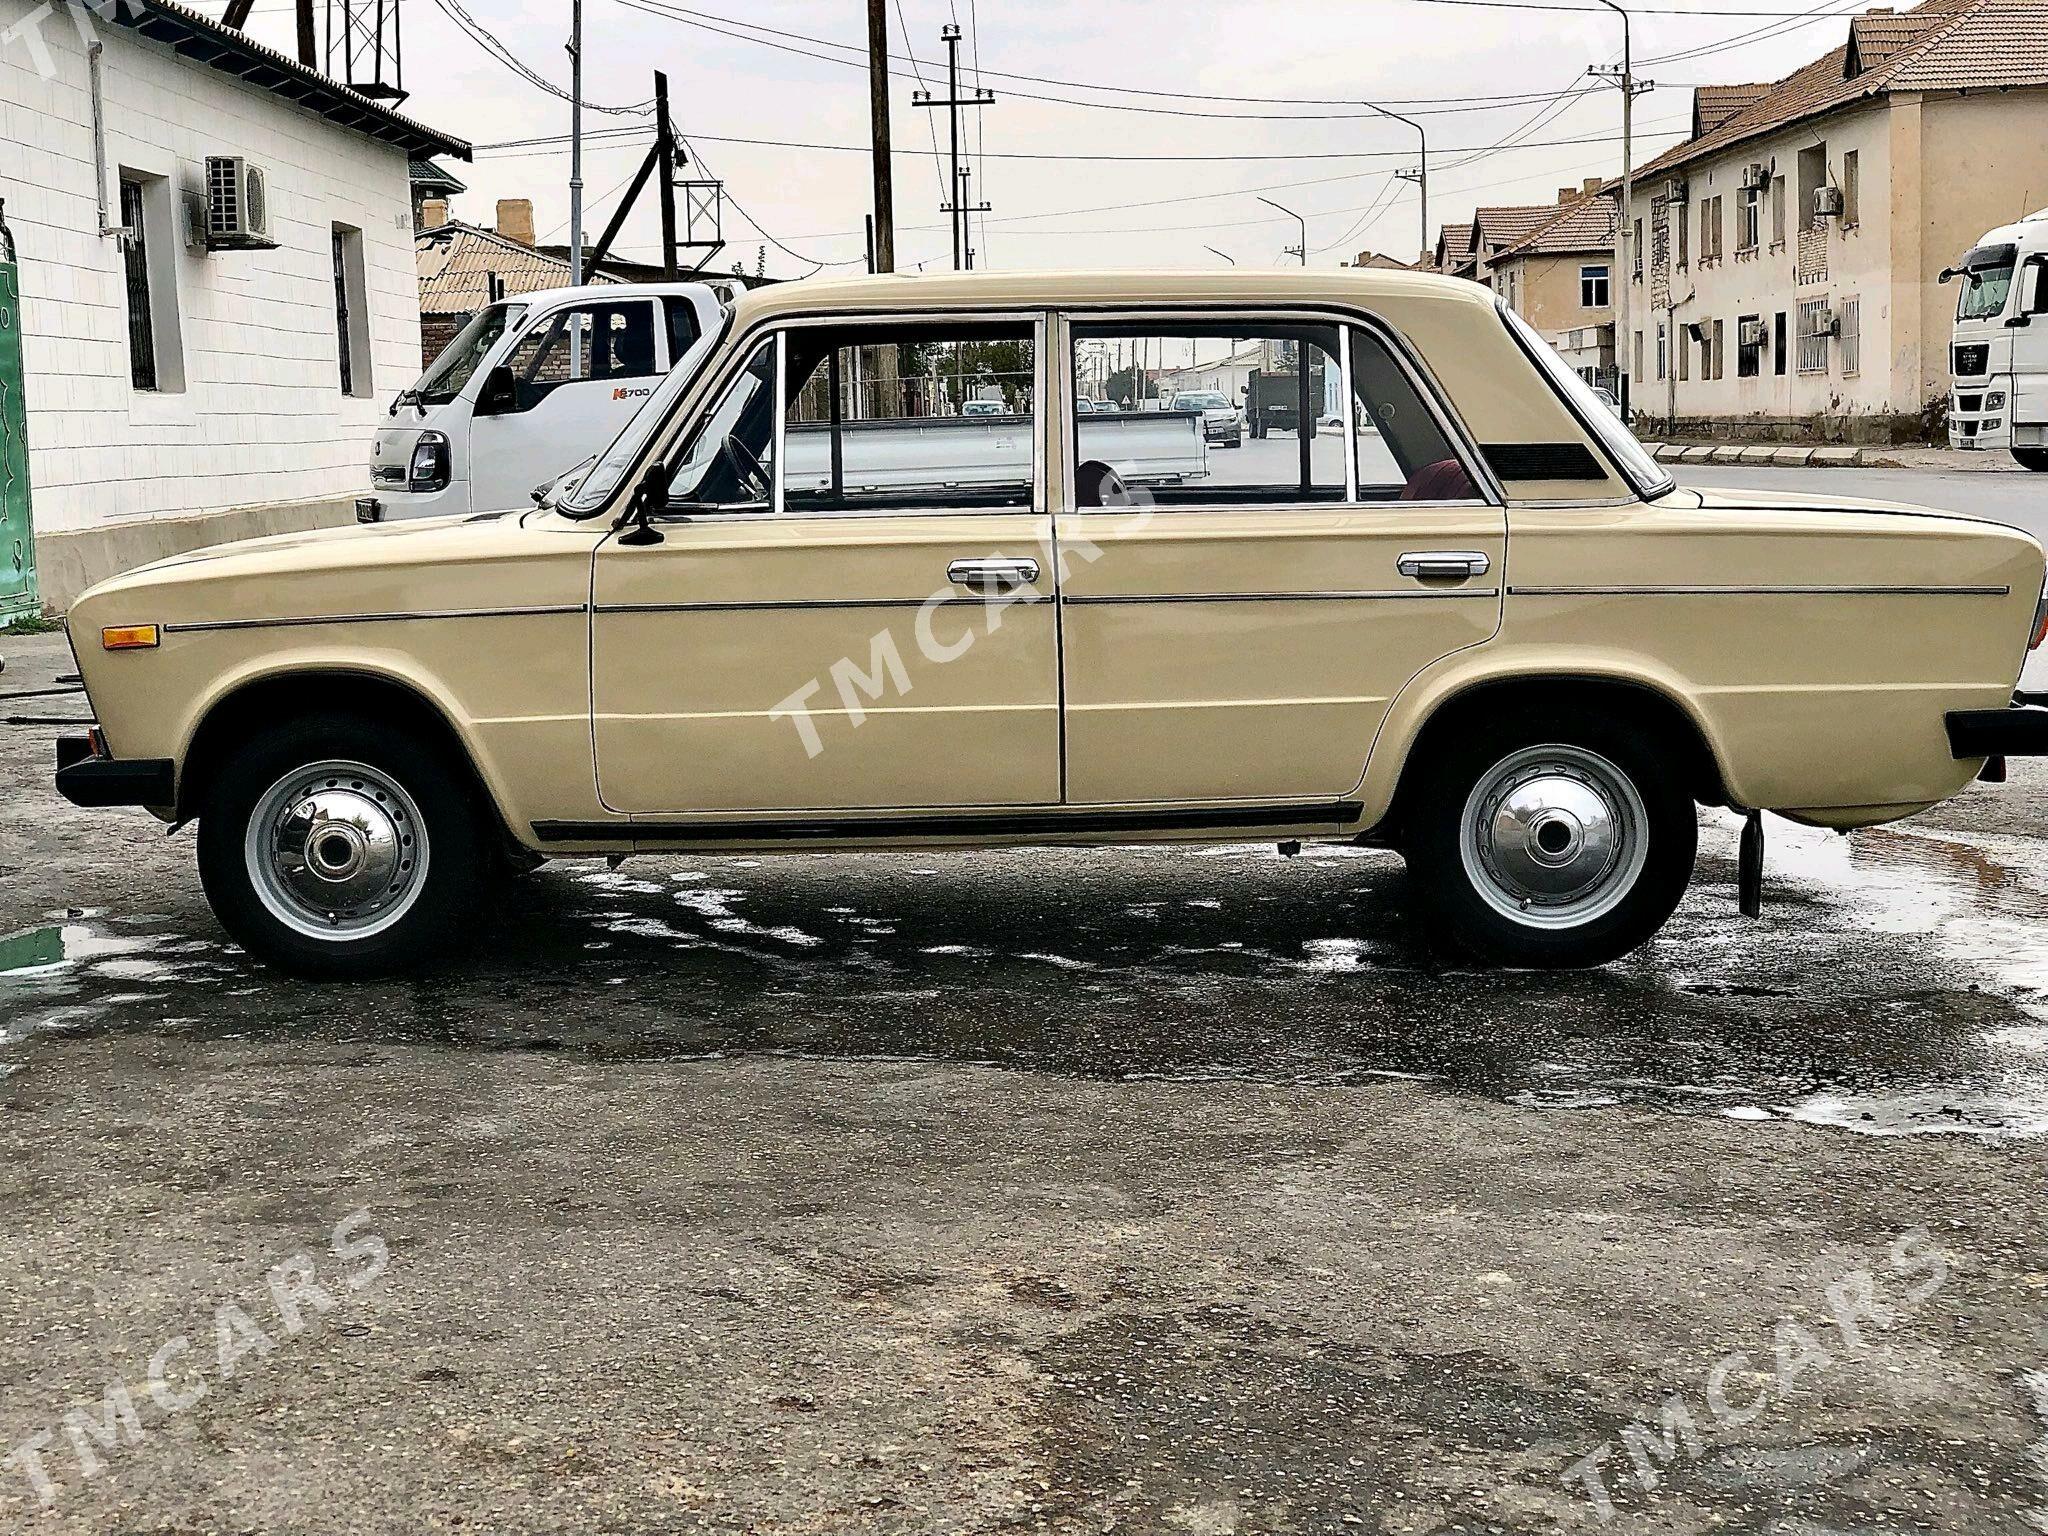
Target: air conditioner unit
<point>1827,202</point>
<point>1675,190</point>
<point>1821,322</point>
<point>237,205</point>
<point>1752,333</point>
<point>1755,176</point>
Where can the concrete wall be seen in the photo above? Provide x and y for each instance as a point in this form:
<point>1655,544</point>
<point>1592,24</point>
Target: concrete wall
<point>260,419</point>
<point>1545,291</point>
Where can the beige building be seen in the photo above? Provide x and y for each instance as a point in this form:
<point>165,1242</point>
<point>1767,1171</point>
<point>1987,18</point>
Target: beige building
<point>1788,253</point>
<point>1560,278</point>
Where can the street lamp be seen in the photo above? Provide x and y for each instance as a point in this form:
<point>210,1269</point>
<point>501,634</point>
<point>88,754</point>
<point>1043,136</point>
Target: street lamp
<point>1421,176</point>
<point>1300,250</point>
<point>1224,254</point>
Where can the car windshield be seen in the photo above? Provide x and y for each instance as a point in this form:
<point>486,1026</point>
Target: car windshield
<point>1649,478</point>
<point>1987,280</point>
<point>604,476</point>
<point>459,359</point>
<point>1199,402</point>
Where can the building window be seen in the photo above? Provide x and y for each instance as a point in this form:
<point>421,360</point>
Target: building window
<point>1681,341</point>
<point>1778,344</point>
<point>1684,236</point>
<point>141,306</point>
<point>1720,350</point>
<point>351,311</point>
<point>1777,210</point>
<point>1637,370</point>
<point>1749,346</point>
<point>1661,349</point>
<point>1710,229</point>
<point>1635,249</point>
<point>1851,201</point>
<point>1813,336</point>
<point>1593,292</point>
<point>1748,208</point>
<point>1849,333</point>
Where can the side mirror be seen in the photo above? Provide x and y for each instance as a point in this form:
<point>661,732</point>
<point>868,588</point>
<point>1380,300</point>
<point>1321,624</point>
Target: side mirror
<point>499,393</point>
<point>650,496</point>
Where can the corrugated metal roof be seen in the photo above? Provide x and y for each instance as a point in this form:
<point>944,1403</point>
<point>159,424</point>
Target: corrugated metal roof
<point>457,263</point>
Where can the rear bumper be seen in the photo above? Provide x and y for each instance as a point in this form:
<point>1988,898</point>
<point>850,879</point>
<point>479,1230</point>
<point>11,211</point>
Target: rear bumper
<point>2018,730</point>
<point>86,776</point>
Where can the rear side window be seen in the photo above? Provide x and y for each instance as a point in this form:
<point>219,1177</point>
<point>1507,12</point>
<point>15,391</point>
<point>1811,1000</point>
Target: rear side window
<point>681,318</point>
<point>1404,454</point>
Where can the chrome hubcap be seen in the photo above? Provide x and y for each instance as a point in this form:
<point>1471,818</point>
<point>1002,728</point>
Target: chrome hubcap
<point>1554,836</point>
<point>337,849</point>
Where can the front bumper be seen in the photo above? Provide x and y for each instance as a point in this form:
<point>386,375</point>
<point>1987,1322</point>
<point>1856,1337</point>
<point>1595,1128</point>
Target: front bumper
<point>88,776</point>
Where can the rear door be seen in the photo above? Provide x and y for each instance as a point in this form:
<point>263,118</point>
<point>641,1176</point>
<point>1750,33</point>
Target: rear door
<point>1239,635</point>
<point>577,374</point>
<point>849,606</point>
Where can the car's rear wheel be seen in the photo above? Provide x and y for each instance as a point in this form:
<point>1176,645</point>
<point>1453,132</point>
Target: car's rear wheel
<point>2031,458</point>
<point>337,846</point>
<point>1551,842</point>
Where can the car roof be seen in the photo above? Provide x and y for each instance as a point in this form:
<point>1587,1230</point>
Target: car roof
<point>1242,285</point>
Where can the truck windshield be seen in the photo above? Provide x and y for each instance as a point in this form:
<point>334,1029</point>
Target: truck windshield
<point>459,359</point>
<point>1987,279</point>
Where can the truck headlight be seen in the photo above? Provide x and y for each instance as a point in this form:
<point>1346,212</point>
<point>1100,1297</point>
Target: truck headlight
<point>428,470</point>
<point>1994,400</point>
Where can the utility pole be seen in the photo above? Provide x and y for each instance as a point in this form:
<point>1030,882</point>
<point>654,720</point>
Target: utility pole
<point>575,173</point>
<point>665,144</point>
<point>1624,221</point>
<point>958,207</point>
<point>884,244</point>
<point>1420,175</point>
<point>1300,250</point>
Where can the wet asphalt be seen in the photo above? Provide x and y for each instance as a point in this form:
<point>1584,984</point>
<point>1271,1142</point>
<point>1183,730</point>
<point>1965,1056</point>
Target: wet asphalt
<point>1140,1189</point>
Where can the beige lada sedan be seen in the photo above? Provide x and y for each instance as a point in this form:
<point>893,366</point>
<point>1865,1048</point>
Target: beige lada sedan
<point>809,599</point>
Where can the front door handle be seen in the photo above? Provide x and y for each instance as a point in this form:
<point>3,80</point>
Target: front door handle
<point>997,575</point>
<point>1443,564</point>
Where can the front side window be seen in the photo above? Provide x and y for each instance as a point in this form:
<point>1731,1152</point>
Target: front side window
<point>911,416</point>
<point>1285,378</point>
<point>588,342</point>
<point>728,460</point>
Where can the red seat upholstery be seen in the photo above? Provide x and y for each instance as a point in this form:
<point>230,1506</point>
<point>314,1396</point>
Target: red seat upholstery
<point>1445,480</point>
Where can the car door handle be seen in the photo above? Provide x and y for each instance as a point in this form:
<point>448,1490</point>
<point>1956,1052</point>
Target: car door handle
<point>999,575</point>
<point>1443,564</point>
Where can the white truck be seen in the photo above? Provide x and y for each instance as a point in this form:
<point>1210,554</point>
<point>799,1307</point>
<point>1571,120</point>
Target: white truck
<point>530,387</point>
<point>1999,351</point>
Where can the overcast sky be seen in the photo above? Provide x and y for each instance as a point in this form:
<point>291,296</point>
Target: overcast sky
<point>1063,211</point>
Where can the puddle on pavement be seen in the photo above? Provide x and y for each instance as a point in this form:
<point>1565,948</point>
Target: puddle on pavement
<point>1898,984</point>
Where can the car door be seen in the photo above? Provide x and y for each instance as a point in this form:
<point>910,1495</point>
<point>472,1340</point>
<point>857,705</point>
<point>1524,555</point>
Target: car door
<point>848,604</point>
<point>562,392</point>
<point>1238,634</point>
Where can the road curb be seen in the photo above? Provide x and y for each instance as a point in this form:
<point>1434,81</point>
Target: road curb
<point>1759,453</point>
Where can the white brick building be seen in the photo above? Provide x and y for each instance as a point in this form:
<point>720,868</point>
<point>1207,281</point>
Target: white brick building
<point>179,395</point>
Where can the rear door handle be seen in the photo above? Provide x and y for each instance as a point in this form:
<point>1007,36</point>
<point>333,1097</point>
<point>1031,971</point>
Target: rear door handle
<point>1443,564</point>
<point>995,575</point>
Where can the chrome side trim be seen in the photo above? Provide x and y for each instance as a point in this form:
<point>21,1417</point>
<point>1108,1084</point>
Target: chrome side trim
<point>1770,591</point>
<point>300,620</point>
<point>799,605</point>
<point>1280,597</point>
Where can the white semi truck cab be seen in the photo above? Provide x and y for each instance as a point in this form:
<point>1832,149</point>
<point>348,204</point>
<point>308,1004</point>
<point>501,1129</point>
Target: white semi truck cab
<point>531,387</point>
<point>1999,353</point>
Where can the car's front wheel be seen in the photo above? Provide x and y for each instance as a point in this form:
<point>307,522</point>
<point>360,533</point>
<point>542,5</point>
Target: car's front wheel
<point>2031,458</point>
<point>337,846</point>
<point>1551,841</point>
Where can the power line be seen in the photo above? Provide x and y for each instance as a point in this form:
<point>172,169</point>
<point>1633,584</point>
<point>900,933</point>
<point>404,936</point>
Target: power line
<point>489,41</point>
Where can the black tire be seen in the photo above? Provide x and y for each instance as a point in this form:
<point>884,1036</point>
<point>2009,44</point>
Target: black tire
<point>1589,754</point>
<point>446,817</point>
<point>2031,458</point>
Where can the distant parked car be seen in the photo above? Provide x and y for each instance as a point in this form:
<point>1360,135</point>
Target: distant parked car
<point>982,408</point>
<point>1221,423</point>
<point>1606,397</point>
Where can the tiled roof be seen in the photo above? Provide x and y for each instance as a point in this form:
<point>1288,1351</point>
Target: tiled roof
<point>430,177</point>
<point>457,262</point>
<point>1453,245</point>
<point>1584,225</point>
<point>1506,226</point>
<point>1941,45</point>
<point>1713,105</point>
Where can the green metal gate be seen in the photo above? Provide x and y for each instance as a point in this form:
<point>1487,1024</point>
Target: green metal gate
<point>17,540</point>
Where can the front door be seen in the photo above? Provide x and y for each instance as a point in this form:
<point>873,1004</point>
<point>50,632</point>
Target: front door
<point>1236,629</point>
<point>577,375</point>
<point>850,604</point>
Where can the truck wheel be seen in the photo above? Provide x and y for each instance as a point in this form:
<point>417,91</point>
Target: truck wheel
<point>334,846</point>
<point>2031,458</point>
<point>1551,842</point>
